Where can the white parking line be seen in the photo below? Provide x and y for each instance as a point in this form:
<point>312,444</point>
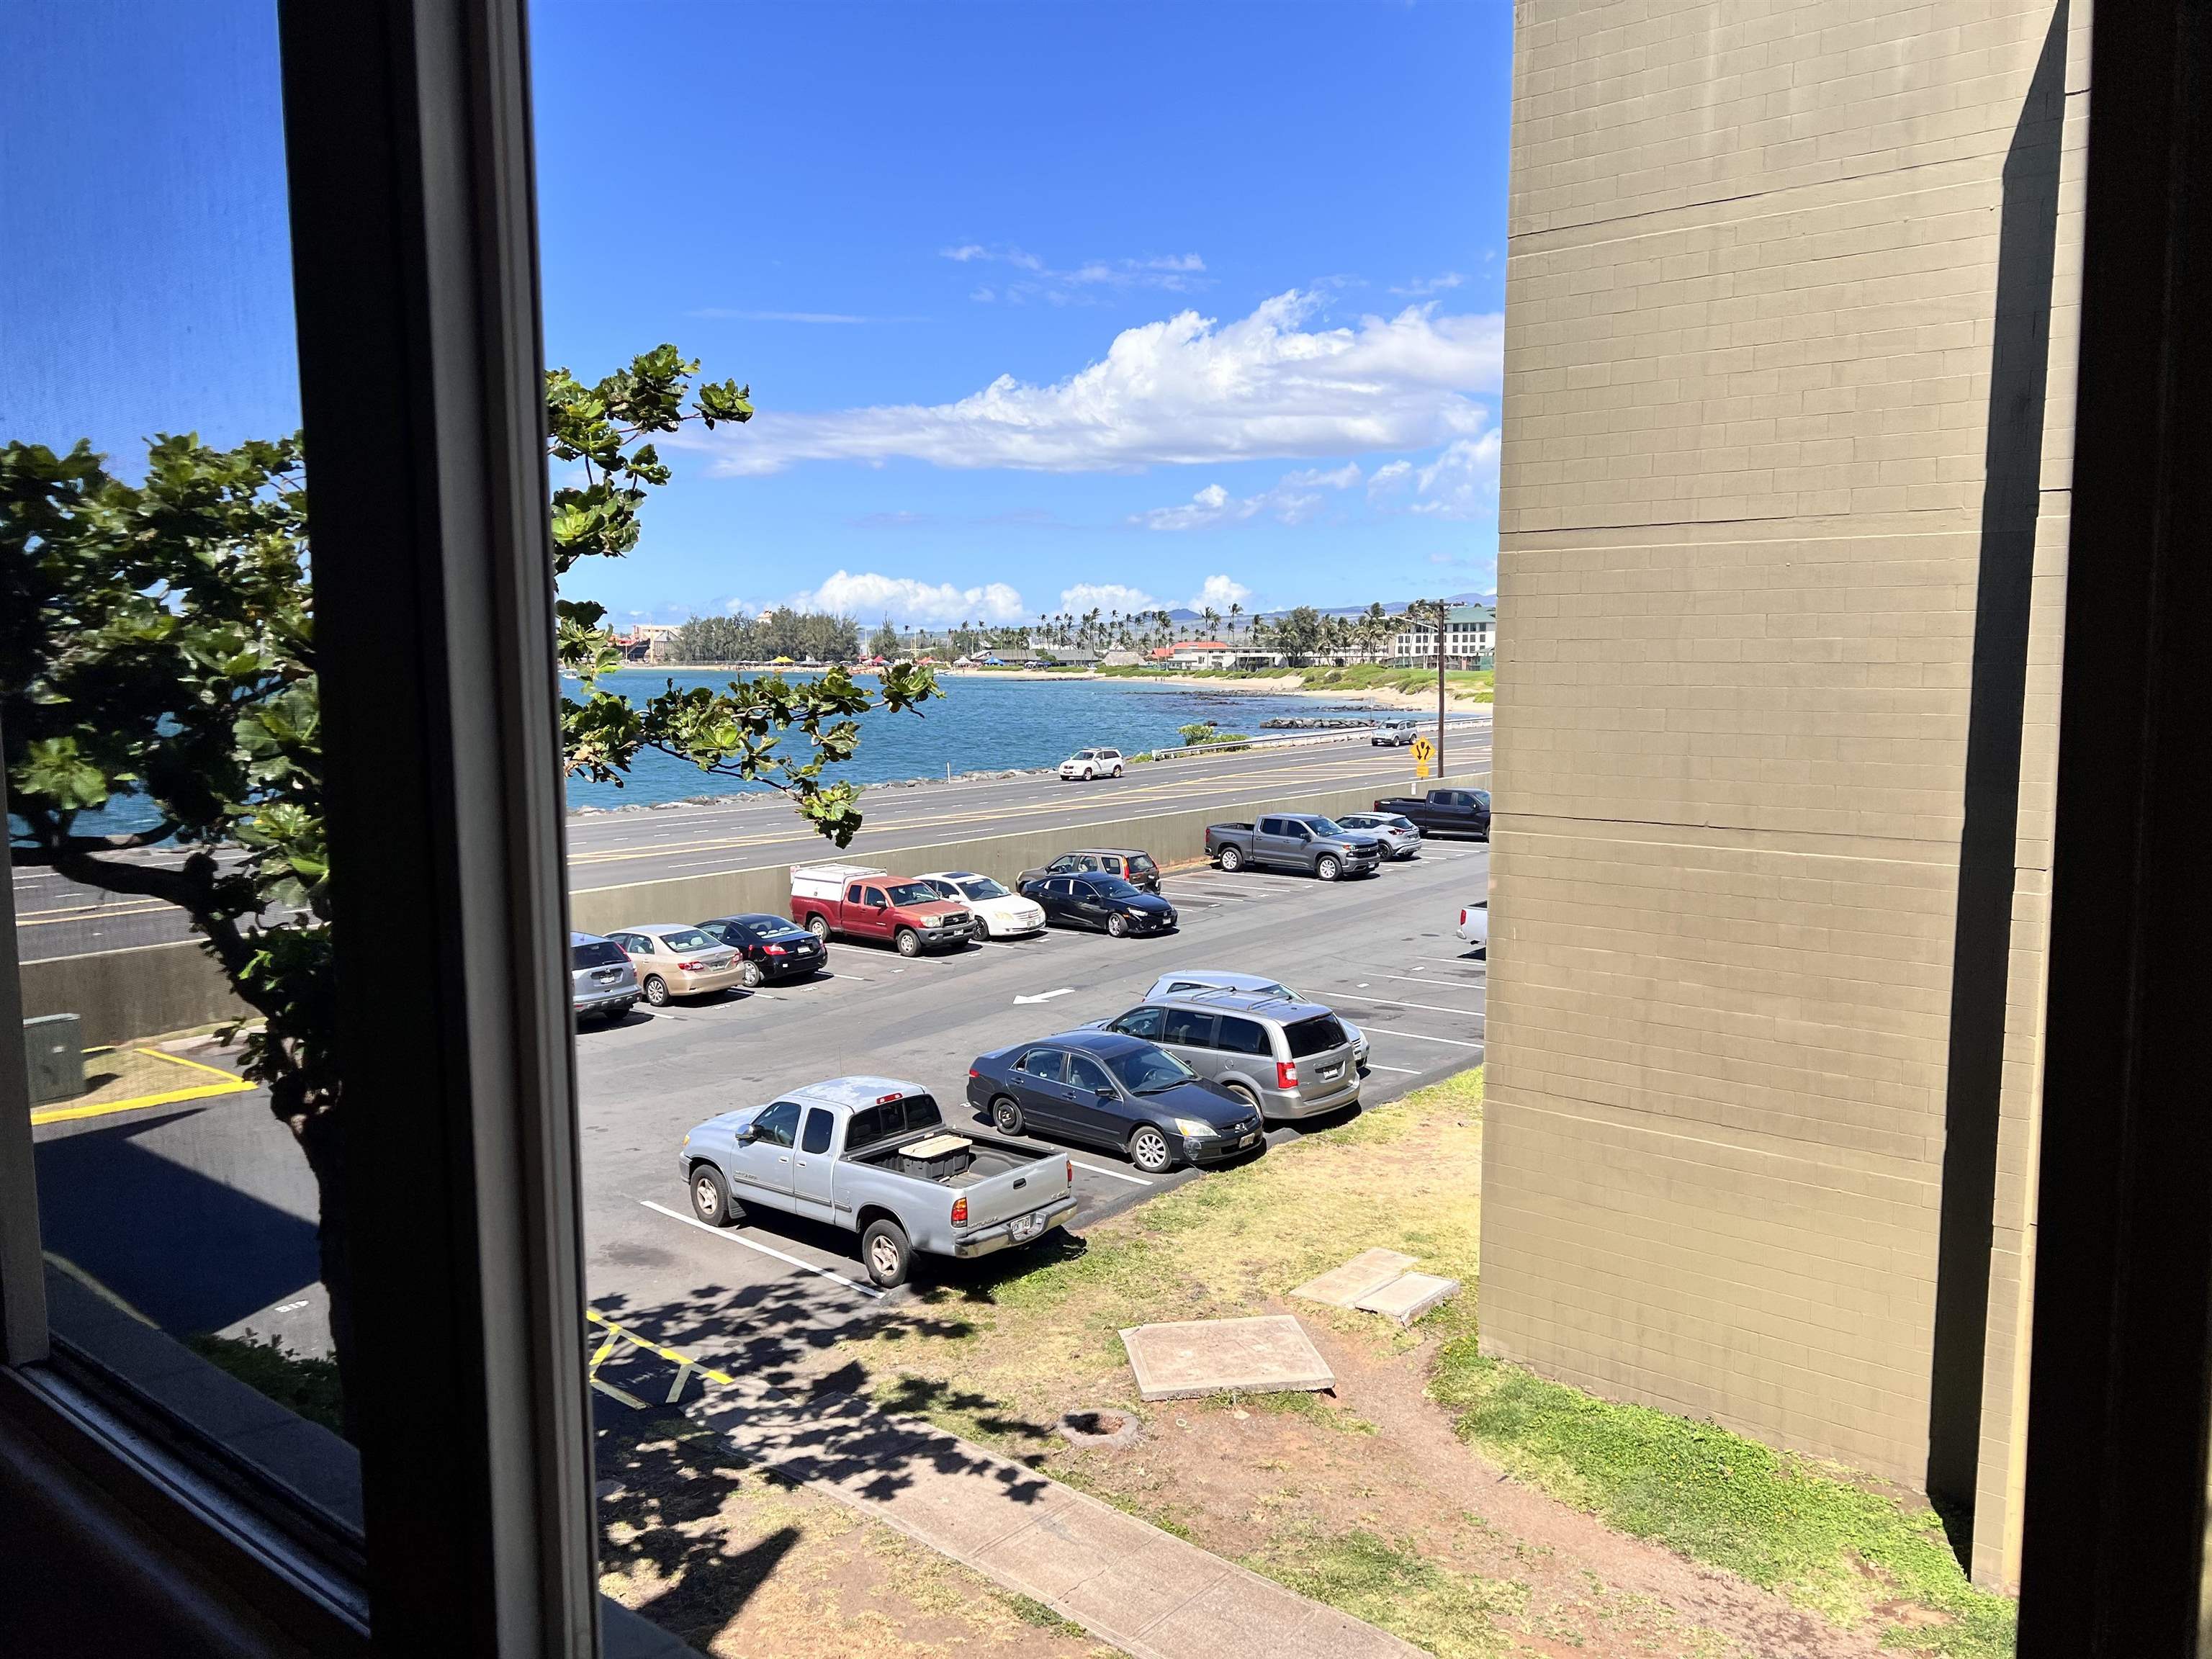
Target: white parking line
<point>1394,1002</point>
<point>1423,979</point>
<point>1402,1071</point>
<point>1134,1180</point>
<point>733,1239</point>
<point>1385,1030</point>
<point>1452,962</point>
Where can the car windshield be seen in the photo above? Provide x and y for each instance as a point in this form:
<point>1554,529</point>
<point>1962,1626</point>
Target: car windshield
<point>912,893</point>
<point>1112,887</point>
<point>1142,864</point>
<point>1317,1036</point>
<point>776,927</point>
<point>687,939</point>
<point>1149,1071</point>
<point>1481,795</point>
<point>599,953</point>
<point>1086,754</point>
<point>1320,826</point>
<point>981,888</point>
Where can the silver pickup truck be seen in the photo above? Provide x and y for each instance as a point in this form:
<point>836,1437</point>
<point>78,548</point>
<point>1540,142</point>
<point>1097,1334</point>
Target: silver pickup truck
<point>872,1154</point>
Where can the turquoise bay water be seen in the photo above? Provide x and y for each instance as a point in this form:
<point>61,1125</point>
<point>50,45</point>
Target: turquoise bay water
<point>978,726</point>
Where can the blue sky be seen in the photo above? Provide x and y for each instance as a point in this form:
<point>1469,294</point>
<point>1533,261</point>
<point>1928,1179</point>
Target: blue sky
<point>1043,306</point>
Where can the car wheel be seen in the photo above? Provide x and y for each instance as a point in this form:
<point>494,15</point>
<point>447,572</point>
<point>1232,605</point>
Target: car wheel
<point>1115,773</point>
<point>1248,1097</point>
<point>751,976</point>
<point>819,926</point>
<point>1118,926</point>
<point>710,1197</point>
<point>907,942</point>
<point>1231,859</point>
<point>1327,867</point>
<point>1007,1114</point>
<point>886,1254</point>
<point>1148,1151</point>
<point>656,991</point>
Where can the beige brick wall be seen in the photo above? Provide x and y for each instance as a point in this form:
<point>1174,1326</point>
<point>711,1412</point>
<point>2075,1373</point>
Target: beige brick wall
<point>1750,304</point>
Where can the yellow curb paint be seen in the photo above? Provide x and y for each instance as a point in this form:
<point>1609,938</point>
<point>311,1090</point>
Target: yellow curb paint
<point>141,1103</point>
<point>194,1065</point>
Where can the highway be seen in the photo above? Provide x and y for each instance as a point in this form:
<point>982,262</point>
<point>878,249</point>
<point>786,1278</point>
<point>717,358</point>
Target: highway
<point>58,918</point>
<point>202,1214</point>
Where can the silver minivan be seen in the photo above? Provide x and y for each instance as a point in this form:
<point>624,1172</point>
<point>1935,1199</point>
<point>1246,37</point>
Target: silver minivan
<point>605,985</point>
<point>1290,1059</point>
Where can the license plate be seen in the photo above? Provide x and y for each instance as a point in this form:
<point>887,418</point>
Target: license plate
<point>1248,1140</point>
<point>1333,1071</point>
<point>1027,1226</point>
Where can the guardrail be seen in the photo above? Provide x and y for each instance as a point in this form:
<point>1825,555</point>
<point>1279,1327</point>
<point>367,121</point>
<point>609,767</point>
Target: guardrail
<point>1296,740</point>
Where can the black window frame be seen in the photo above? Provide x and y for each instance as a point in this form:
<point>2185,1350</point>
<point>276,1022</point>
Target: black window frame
<point>1021,1059</point>
<point>828,1120</point>
<point>1167,1038</point>
<point>1258,1029</point>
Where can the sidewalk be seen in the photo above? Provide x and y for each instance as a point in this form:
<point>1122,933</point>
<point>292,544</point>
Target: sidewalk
<point>1151,1594</point>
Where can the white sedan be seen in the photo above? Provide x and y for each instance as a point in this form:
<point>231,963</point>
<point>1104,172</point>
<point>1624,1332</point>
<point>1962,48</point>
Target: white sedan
<point>1003,914</point>
<point>1475,923</point>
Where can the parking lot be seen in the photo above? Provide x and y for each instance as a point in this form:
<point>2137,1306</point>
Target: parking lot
<point>1382,952</point>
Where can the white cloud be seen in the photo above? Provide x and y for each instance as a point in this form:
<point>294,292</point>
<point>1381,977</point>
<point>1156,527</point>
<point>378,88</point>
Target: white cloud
<point>1420,287</point>
<point>1293,501</point>
<point>1175,273</point>
<point>1460,483</point>
<point>1183,390</point>
<point>867,595</point>
<point>1107,596</point>
<point>1218,592</point>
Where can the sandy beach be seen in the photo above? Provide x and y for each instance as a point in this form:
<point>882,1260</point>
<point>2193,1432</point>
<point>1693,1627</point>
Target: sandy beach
<point>1280,685</point>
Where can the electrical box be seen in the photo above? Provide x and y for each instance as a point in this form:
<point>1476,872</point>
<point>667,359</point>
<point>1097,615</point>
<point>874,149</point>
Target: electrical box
<point>53,1049</point>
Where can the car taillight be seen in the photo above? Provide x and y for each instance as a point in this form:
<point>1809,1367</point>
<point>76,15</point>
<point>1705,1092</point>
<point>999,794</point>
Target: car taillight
<point>1071,1172</point>
<point>691,967</point>
<point>773,950</point>
<point>960,1210</point>
<point>1463,918</point>
<point>1286,1075</point>
<point>972,1072</point>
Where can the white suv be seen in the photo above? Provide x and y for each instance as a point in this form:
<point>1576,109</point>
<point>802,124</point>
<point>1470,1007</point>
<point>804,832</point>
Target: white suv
<point>1088,763</point>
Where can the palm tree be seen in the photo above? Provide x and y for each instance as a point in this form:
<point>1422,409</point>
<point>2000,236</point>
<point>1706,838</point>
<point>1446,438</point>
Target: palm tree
<point>1236,609</point>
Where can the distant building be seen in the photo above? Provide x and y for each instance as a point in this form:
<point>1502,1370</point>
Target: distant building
<point>1124,658</point>
<point>646,642</point>
<point>1470,638</point>
<point>1071,656</point>
<point>1204,654</point>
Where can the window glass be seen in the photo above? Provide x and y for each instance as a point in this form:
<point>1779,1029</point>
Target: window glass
<point>866,1128</point>
<point>1242,1036</point>
<point>779,1123</point>
<point>1188,1028</point>
<point>912,893</point>
<point>819,1123</point>
<point>1045,1063</point>
<point>1316,1035</point>
<point>687,939</point>
<point>874,896</point>
<point>1112,887</point>
<point>982,887</point>
<point>1149,1071</point>
<point>599,953</point>
<point>1144,1023</point>
<point>1085,1073</point>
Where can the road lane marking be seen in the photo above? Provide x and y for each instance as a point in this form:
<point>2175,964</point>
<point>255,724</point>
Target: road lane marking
<point>1047,996</point>
<point>1134,1180</point>
<point>733,1239</point>
<point>1386,1030</point>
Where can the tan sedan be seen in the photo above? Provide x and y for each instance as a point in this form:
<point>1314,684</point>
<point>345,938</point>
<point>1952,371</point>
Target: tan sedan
<point>675,959</point>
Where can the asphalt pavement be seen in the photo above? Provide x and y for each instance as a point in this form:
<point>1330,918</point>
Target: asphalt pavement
<point>202,1215</point>
<point>59,918</point>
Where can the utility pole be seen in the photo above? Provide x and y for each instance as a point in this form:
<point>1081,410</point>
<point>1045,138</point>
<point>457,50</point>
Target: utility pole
<point>1443,610</point>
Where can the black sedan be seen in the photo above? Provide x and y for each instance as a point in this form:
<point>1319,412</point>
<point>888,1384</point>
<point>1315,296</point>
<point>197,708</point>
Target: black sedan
<point>772,947</point>
<point>1106,1090</point>
<point>1102,901</point>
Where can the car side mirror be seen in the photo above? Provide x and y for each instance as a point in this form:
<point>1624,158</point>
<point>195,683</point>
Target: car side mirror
<point>747,1135</point>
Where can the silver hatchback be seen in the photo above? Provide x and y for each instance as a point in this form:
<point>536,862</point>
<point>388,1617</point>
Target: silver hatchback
<point>1288,1059</point>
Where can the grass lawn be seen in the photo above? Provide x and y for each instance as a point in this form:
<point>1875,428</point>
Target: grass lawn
<point>1368,1499</point>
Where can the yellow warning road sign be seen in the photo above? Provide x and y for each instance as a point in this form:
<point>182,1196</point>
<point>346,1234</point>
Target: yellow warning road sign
<point>1424,751</point>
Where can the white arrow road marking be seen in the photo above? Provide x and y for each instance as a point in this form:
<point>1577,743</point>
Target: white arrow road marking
<point>1047,996</point>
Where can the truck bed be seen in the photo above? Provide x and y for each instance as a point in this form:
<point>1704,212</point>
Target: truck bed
<point>975,1160</point>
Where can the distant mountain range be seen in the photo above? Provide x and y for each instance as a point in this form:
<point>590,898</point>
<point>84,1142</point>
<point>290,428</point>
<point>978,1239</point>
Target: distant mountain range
<point>1394,607</point>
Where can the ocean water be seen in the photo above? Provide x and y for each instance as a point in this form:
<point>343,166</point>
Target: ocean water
<point>978,726</point>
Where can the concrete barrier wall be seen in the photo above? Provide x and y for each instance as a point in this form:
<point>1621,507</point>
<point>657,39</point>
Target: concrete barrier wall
<point>1169,837</point>
<point>123,994</point>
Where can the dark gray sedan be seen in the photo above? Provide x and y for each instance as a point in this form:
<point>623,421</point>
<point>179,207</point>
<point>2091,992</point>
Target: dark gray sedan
<point>1106,1090</point>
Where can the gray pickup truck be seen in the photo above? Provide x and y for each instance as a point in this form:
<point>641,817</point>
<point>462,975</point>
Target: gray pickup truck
<point>872,1154</point>
<point>1296,841</point>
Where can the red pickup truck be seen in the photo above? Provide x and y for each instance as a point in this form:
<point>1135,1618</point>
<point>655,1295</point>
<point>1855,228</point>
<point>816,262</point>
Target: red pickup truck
<point>860,903</point>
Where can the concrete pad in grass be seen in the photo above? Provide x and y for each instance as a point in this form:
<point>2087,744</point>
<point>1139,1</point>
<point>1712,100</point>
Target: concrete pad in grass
<point>1269,1354</point>
<point>1409,1296</point>
<point>1364,1274</point>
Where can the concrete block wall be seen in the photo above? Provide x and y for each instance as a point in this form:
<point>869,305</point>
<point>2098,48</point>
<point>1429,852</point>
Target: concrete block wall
<point>1747,508</point>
